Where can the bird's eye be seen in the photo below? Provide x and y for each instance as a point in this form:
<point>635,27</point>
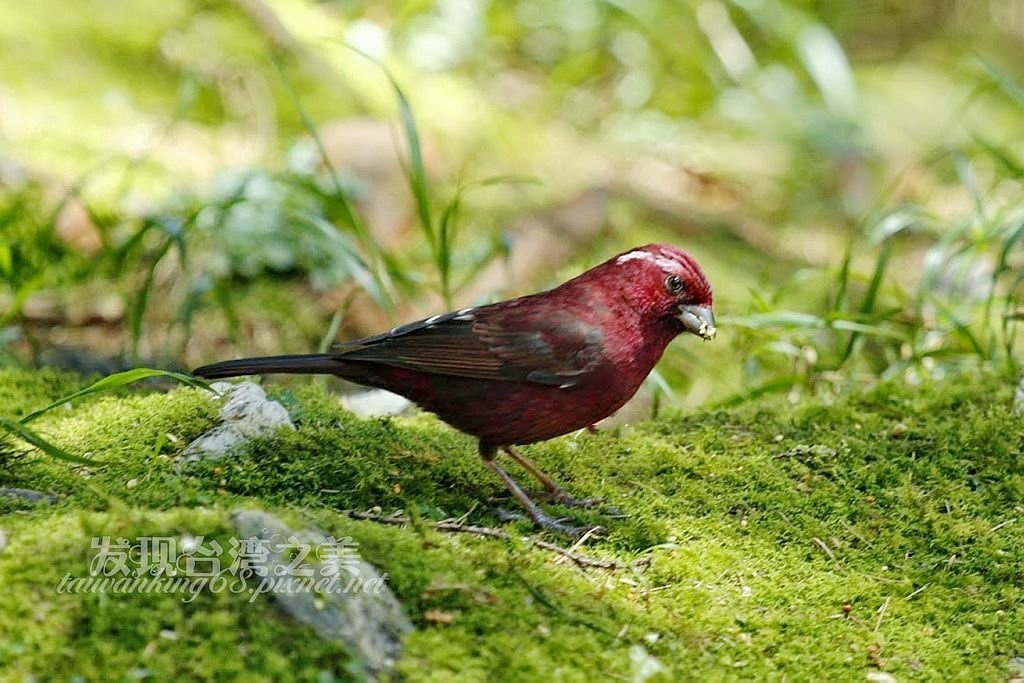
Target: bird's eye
<point>674,284</point>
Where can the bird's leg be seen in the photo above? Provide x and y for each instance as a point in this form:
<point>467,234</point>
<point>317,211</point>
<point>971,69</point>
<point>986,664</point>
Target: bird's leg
<point>555,492</point>
<point>541,518</point>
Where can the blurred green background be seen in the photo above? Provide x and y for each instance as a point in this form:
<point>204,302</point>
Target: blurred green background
<point>186,181</point>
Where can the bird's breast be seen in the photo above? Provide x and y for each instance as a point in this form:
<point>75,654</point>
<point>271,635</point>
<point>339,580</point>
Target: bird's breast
<point>522,412</point>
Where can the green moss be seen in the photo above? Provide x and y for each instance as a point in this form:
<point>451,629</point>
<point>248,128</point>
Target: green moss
<point>100,637</point>
<point>821,540</point>
<point>22,391</point>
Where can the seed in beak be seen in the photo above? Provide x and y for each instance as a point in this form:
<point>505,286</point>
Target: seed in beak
<point>698,320</point>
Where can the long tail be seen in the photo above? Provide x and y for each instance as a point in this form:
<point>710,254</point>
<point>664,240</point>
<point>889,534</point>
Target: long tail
<point>313,364</point>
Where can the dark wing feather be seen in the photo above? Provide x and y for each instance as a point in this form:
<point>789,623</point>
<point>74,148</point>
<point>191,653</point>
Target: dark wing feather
<point>494,342</point>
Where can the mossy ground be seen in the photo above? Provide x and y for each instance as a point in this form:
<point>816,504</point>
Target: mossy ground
<point>882,532</point>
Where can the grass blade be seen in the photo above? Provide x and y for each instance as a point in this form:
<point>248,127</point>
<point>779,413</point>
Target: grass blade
<point>141,303</point>
<point>28,436</point>
<point>1012,166</point>
<point>843,280</point>
<point>965,172</point>
<point>1008,244</point>
<point>962,328</point>
<point>869,298</point>
<point>380,286</point>
<point>446,229</point>
<point>116,381</point>
<point>354,263</point>
<point>416,172</point>
<point>1005,82</point>
<point>449,222</point>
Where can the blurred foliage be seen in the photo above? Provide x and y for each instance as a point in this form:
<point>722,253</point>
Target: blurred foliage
<point>267,224</point>
<point>849,174</point>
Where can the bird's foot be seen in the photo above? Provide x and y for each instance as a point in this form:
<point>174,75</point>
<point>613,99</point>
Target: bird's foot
<point>561,526</point>
<point>546,522</point>
<point>562,497</point>
<point>506,515</point>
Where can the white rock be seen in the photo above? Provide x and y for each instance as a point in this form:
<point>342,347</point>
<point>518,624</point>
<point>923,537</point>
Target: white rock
<point>880,677</point>
<point>644,664</point>
<point>246,414</point>
<point>376,403</point>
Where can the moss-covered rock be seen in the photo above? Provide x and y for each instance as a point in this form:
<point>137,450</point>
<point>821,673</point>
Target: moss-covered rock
<point>824,540</point>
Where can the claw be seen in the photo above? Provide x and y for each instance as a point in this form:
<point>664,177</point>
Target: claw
<point>549,523</point>
<point>508,515</point>
<point>561,497</point>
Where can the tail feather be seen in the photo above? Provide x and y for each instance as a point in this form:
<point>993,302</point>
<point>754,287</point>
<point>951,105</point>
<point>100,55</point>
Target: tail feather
<point>313,364</point>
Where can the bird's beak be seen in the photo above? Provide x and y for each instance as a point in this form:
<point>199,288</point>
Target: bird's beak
<point>698,320</point>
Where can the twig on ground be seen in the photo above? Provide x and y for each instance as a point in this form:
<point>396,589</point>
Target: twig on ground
<point>489,532</point>
<point>999,526</point>
<point>881,613</point>
<point>824,546</point>
<point>466,514</point>
<point>917,591</point>
<point>575,546</point>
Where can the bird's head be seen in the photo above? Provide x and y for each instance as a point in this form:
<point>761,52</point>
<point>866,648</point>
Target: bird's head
<point>666,284</point>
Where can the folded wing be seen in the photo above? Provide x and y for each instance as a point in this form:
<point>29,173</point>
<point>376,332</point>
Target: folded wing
<point>509,343</point>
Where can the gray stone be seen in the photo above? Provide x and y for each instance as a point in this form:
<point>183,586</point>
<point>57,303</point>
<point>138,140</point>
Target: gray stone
<point>1016,674</point>
<point>368,619</point>
<point>28,495</point>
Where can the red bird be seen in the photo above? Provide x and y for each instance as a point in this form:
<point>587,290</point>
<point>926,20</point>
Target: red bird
<point>531,368</point>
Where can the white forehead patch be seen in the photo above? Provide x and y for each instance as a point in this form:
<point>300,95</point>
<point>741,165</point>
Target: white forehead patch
<point>665,264</point>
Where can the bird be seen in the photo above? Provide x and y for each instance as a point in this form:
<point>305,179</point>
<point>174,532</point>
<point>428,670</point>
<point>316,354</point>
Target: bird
<point>531,368</point>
